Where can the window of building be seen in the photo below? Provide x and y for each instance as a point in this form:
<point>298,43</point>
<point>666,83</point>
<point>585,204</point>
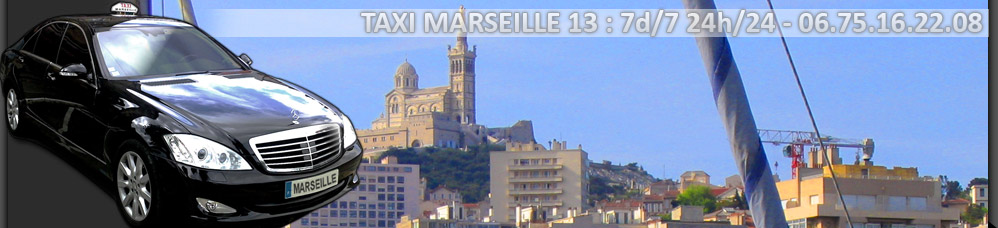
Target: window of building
<point>860,202</point>
<point>374,139</point>
<point>983,192</point>
<point>815,200</point>
<point>401,179</point>
<point>917,203</point>
<point>897,203</point>
<point>400,206</point>
<point>797,223</point>
<point>400,197</point>
<point>381,197</point>
<point>407,169</point>
<point>381,179</point>
<point>391,179</point>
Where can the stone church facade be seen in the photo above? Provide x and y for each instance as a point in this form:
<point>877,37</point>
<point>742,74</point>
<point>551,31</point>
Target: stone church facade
<point>442,116</point>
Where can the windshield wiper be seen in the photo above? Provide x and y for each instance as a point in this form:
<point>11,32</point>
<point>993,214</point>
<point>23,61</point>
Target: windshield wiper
<point>192,72</point>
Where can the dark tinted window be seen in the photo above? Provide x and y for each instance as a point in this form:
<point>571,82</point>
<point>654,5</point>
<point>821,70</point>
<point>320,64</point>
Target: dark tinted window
<point>157,50</point>
<point>74,48</point>
<point>47,42</point>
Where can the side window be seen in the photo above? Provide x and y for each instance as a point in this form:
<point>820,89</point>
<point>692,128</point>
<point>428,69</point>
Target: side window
<point>74,48</point>
<point>47,43</point>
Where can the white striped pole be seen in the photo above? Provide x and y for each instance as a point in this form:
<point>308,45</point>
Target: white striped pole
<point>733,107</point>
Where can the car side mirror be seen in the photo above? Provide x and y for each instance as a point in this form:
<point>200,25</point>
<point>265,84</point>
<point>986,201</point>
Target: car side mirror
<point>73,70</point>
<point>246,59</point>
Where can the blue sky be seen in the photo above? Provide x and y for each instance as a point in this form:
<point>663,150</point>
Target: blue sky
<point>648,100</point>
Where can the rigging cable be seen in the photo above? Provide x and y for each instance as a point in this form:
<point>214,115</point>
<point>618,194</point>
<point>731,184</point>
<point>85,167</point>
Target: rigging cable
<point>807,105</point>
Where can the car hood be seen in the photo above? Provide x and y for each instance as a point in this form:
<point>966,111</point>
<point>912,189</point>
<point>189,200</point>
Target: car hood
<point>243,105</point>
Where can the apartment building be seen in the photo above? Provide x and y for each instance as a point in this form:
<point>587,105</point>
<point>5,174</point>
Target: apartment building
<point>530,175</point>
<point>388,191</point>
<point>876,197</point>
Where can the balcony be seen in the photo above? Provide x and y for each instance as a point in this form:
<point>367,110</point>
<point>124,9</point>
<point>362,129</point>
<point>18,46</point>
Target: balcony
<point>535,167</point>
<point>535,191</point>
<point>544,203</point>
<point>534,179</point>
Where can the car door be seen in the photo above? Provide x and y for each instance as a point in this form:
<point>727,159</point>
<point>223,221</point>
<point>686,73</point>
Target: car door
<point>75,94</point>
<point>38,57</point>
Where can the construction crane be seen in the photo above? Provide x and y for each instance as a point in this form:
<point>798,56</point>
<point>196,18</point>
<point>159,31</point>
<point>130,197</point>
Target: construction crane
<point>797,140</point>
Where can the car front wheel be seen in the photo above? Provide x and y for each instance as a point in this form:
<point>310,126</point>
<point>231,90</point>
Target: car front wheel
<point>138,197</point>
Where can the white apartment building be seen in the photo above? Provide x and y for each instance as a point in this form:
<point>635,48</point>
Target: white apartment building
<point>387,192</point>
<point>529,175</point>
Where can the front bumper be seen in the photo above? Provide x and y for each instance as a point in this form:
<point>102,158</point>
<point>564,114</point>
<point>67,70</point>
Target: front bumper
<point>257,196</point>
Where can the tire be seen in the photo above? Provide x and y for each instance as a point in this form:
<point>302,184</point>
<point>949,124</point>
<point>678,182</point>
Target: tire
<point>14,111</point>
<point>140,198</point>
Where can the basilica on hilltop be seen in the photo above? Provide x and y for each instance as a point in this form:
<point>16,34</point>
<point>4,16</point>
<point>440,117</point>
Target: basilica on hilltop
<point>442,116</point>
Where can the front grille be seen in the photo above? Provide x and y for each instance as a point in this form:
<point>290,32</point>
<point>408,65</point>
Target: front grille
<point>298,149</point>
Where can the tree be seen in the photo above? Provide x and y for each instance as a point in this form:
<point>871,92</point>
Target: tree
<point>974,214</point>
<point>977,181</point>
<point>737,202</point>
<point>698,196</point>
<point>952,189</point>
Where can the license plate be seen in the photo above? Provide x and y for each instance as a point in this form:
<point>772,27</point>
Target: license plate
<point>305,186</point>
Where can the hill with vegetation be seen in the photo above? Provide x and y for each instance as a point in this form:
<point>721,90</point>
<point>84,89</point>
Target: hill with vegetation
<point>611,182</point>
<point>465,171</point>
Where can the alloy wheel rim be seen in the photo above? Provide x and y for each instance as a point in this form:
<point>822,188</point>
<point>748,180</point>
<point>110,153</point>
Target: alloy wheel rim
<point>133,186</point>
<point>12,110</point>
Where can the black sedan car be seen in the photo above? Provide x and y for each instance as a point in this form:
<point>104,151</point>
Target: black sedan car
<point>182,128</point>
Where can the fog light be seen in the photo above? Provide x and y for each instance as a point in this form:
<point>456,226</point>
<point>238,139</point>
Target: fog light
<point>212,206</point>
<point>355,179</point>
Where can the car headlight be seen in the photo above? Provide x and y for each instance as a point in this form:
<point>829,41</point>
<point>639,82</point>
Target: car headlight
<point>201,152</point>
<point>349,134</point>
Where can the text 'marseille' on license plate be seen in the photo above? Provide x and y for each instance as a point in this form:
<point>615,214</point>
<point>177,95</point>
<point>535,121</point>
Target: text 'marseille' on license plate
<point>311,185</point>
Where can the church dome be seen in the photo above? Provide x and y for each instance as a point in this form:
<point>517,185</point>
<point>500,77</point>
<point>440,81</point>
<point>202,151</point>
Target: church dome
<point>405,69</point>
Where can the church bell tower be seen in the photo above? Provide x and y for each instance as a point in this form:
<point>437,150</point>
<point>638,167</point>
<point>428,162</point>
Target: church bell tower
<point>462,77</point>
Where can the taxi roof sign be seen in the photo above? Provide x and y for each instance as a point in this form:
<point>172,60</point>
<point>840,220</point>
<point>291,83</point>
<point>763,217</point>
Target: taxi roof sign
<point>124,8</point>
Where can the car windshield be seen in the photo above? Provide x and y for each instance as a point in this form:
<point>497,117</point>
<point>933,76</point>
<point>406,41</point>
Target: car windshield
<point>160,50</point>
